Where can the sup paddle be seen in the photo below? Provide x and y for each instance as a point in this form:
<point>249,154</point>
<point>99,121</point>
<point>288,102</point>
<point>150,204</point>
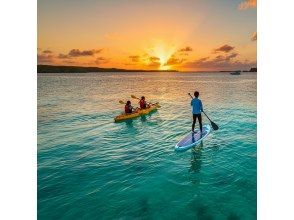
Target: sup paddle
<point>157,104</point>
<point>213,125</point>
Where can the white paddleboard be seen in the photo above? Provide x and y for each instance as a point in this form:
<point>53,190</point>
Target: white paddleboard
<point>193,139</point>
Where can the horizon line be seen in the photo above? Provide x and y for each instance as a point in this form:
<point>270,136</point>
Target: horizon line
<point>114,69</point>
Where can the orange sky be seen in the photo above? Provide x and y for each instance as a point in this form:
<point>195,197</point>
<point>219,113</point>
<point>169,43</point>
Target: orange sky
<point>164,34</point>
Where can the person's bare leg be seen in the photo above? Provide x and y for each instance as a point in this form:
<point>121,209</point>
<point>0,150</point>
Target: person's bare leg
<point>200,123</point>
<point>194,122</point>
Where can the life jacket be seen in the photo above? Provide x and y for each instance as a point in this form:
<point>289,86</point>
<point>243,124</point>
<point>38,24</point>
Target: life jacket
<point>142,103</point>
<point>128,109</point>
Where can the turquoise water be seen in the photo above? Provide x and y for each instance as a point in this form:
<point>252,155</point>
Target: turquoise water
<point>92,168</point>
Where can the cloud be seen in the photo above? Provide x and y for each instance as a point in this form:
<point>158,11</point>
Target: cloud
<point>185,49</point>
<point>247,4</point>
<point>225,48</point>
<point>184,54</point>
<point>254,36</point>
<point>63,56</point>
<point>135,58</point>
<point>44,58</point>
<point>145,59</point>
<point>154,61</point>
<point>101,60</point>
<point>220,62</point>
<point>172,61</point>
<point>221,58</point>
<point>47,51</point>
<point>78,53</point>
<point>69,62</point>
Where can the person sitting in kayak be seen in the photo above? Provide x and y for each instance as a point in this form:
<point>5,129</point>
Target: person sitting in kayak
<point>128,108</point>
<point>143,103</point>
<point>197,108</point>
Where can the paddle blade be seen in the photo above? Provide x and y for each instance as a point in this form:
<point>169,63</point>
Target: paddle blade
<point>214,125</point>
<point>121,102</point>
<point>157,105</point>
<point>134,97</point>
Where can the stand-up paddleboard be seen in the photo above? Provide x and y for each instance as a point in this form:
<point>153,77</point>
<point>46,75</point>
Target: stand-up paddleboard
<point>193,139</point>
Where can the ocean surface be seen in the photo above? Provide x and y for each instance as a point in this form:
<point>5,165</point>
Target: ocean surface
<point>92,168</point>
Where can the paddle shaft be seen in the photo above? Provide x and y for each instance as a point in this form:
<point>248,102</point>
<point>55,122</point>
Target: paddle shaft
<point>206,115</point>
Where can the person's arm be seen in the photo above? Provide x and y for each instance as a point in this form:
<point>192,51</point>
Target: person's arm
<point>192,102</point>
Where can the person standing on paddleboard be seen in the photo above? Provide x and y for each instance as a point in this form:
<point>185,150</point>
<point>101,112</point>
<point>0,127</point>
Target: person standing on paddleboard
<point>197,108</point>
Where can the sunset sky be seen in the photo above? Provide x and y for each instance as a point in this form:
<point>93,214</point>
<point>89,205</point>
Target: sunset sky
<point>185,35</point>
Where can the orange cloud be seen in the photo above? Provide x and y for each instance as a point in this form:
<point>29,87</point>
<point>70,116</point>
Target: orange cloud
<point>135,58</point>
<point>225,48</point>
<point>247,4</point>
<point>154,61</point>
<point>101,60</point>
<point>220,62</point>
<point>78,53</point>
<point>63,56</point>
<point>186,49</point>
<point>47,51</point>
<point>44,58</point>
<point>172,61</point>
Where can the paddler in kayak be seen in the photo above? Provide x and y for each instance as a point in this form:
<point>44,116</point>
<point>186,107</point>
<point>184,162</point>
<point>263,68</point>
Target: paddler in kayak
<point>143,104</point>
<point>129,108</point>
<point>197,108</point>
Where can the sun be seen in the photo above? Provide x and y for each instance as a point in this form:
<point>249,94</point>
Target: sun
<point>164,53</point>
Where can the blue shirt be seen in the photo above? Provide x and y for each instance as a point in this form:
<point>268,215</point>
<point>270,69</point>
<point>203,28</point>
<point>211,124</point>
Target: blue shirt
<point>196,106</point>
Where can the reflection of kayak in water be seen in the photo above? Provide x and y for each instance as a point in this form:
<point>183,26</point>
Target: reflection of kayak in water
<point>192,139</point>
<point>137,113</point>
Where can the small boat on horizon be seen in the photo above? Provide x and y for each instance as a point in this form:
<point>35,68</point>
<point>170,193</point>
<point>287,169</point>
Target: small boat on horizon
<point>236,73</point>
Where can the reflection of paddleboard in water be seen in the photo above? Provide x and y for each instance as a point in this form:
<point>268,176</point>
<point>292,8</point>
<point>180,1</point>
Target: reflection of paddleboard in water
<point>196,154</point>
<point>192,139</point>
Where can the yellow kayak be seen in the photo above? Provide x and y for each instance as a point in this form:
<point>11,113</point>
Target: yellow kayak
<point>136,114</point>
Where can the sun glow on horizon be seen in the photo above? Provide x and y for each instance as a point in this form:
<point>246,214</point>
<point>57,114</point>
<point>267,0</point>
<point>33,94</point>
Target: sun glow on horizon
<point>163,52</point>
<point>164,67</point>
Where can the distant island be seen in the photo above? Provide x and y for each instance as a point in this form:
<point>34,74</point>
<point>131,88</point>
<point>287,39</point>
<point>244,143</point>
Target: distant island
<point>254,69</point>
<point>251,70</point>
<point>81,69</point>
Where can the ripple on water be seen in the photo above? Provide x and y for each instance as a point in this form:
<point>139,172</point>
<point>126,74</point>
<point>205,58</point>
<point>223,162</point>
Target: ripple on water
<point>92,168</point>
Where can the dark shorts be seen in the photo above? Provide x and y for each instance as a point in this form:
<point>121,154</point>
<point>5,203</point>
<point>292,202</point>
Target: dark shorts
<point>196,115</point>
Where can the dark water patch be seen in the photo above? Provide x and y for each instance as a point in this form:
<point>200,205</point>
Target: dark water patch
<point>233,216</point>
<point>201,211</point>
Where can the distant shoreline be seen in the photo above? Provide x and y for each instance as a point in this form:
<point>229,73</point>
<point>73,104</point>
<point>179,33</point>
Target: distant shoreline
<point>81,69</point>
